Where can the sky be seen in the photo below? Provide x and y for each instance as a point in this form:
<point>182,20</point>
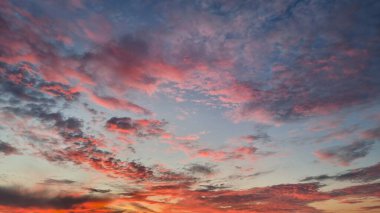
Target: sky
<point>145,106</point>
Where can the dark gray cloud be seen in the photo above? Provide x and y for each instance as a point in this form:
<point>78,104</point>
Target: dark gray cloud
<point>254,175</point>
<point>22,82</point>
<point>216,187</point>
<point>200,169</point>
<point>138,127</point>
<point>7,149</point>
<point>344,155</point>
<point>98,190</point>
<point>365,190</point>
<point>18,197</point>
<point>124,123</point>
<point>373,133</point>
<point>365,174</point>
<point>58,181</point>
<point>259,137</point>
<point>68,127</point>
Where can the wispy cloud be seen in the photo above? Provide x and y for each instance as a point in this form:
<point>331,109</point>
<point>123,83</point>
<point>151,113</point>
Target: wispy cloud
<point>344,155</point>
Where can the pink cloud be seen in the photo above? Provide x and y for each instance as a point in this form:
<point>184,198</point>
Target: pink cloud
<point>114,103</point>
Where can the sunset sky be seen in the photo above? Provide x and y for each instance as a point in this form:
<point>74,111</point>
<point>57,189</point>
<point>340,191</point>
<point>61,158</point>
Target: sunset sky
<point>193,106</point>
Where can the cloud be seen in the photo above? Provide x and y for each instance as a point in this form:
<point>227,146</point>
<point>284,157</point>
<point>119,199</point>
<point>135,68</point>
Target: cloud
<point>372,134</point>
<point>76,146</point>
<point>365,190</point>
<point>114,103</point>
<point>369,208</point>
<point>169,178</point>
<point>58,68</point>
<point>98,190</point>
<point>289,197</point>
<point>22,198</point>
<point>206,188</point>
<point>365,174</point>
<point>263,137</point>
<point>298,85</point>
<point>85,150</point>
<point>337,135</point>
<point>58,181</point>
<point>256,174</point>
<point>66,126</point>
<point>7,149</point>
<point>138,128</point>
<point>131,62</point>
<point>234,153</point>
<point>277,198</point>
<point>344,155</point>
<point>211,198</point>
<point>22,83</point>
<point>268,66</point>
<point>200,169</point>
<point>301,85</point>
<point>59,90</point>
